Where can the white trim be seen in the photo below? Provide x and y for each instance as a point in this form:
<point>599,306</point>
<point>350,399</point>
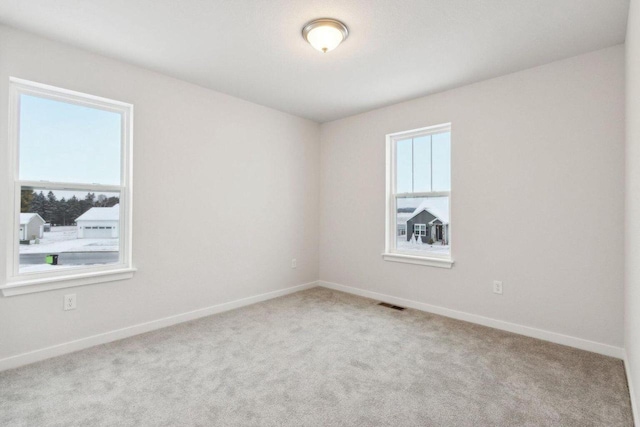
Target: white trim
<point>632,394</point>
<point>48,185</point>
<point>41,284</point>
<point>390,212</point>
<point>118,334</point>
<point>80,277</point>
<point>54,92</point>
<point>429,130</point>
<point>423,194</point>
<point>418,260</point>
<point>13,214</point>
<point>422,229</point>
<point>582,344</point>
<point>391,252</point>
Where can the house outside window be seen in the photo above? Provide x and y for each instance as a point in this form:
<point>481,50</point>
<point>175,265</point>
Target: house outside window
<point>70,159</point>
<point>419,196</point>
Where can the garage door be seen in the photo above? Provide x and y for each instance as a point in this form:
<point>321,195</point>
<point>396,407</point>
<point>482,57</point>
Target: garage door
<point>98,232</point>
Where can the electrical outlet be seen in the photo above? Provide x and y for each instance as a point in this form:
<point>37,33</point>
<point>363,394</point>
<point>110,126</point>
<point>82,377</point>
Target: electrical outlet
<point>497,287</point>
<point>294,263</point>
<point>70,302</point>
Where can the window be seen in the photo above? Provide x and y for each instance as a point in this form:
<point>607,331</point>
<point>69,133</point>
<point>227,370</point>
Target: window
<point>71,163</point>
<point>418,196</point>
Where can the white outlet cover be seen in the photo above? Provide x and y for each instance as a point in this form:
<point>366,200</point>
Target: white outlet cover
<point>70,302</point>
<point>294,263</point>
<point>497,287</point>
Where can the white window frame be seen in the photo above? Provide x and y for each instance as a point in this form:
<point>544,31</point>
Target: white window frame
<point>17,283</point>
<point>422,229</point>
<point>391,253</point>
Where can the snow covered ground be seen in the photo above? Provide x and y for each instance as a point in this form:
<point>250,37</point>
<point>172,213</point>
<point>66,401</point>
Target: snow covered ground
<point>65,239</point>
<point>420,248</point>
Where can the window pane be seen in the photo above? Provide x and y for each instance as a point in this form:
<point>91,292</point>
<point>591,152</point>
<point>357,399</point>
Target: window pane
<point>66,229</point>
<point>442,161</point>
<point>404,159</point>
<point>64,142</point>
<point>423,225</point>
<point>422,164</point>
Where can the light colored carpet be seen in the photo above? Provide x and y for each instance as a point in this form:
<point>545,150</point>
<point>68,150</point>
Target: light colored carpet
<point>320,358</point>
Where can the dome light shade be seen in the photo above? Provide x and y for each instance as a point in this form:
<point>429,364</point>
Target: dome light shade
<point>325,34</point>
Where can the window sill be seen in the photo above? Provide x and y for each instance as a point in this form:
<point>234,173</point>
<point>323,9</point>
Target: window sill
<point>28,286</point>
<point>418,260</point>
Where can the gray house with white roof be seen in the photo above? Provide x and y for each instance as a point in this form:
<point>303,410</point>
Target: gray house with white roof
<point>430,221</point>
<point>99,223</point>
<point>31,226</point>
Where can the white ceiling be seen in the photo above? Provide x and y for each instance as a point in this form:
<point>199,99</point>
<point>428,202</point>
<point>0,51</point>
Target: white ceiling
<point>396,50</point>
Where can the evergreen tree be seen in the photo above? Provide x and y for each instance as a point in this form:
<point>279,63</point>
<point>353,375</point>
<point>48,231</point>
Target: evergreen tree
<point>112,201</point>
<point>102,201</point>
<point>88,202</point>
<point>74,209</point>
<point>37,204</point>
<point>50,208</point>
<point>26,198</point>
<point>62,212</point>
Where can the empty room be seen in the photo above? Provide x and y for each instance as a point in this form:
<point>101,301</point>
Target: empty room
<point>319,213</point>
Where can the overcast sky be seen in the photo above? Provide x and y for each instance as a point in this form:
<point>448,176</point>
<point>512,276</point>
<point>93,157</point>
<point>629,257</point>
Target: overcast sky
<point>418,152</point>
<point>68,143</point>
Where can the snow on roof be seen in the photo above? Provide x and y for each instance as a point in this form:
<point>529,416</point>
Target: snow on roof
<point>402,217</point>
<point>436,206</point>
<point>25,218</point>
<point>101,214</point>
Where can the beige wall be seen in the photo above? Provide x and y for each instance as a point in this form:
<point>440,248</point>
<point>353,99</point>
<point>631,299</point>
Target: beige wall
<point>535,153</point>
<point>632,211</point>
<point>249,173</point>
<point>537,158</point>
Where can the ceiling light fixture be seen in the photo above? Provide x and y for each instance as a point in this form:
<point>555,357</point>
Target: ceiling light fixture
<point>325,34</point>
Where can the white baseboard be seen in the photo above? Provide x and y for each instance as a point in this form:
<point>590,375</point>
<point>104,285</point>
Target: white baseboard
<point>582,344</point>
<point>632,394</point>
<point>118,334</point>
<point>80,344</point>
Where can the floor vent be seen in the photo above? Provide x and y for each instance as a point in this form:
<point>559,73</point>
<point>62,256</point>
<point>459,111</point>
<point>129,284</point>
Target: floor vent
<point>395,307</point>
